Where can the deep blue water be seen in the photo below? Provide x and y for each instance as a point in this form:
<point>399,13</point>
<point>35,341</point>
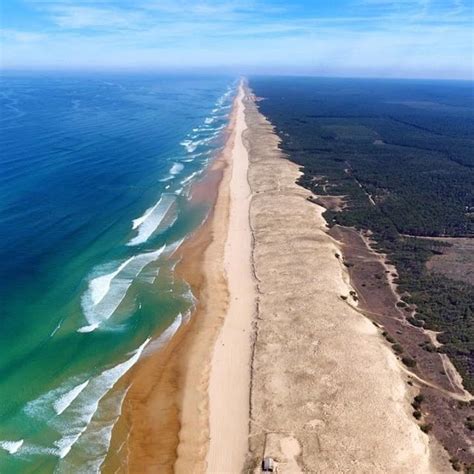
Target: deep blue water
<point>94,179</point>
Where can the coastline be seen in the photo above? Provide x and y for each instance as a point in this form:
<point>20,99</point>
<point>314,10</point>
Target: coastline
<point>229,384</point>
<point>164,423</point>
<point>222,392</point>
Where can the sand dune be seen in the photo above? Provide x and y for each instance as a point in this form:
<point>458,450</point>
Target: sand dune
<point>327,395</point>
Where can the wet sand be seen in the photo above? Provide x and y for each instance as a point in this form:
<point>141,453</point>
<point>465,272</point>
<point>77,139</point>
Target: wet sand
<point>164,426</point>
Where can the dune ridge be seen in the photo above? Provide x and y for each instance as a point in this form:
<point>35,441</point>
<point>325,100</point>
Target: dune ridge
<point>327,394</point>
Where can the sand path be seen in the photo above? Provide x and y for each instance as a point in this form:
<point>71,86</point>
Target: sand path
<point>229,383</point>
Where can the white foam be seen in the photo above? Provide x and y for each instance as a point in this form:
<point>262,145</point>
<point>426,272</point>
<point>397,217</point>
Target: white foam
<point>189,295</point>
<point>65,444</point>
<point>149,222</point>
<point>140,220</point>
<point>176,168</point>
<point>63,402</point>
<point>100,286</point>
<point>150,278</point>
<point>166,335</point>
<point>89,328</point>
<point>56,329</point>
<point>171,248</point>
<point>11,446</point>
<point>189,178</point>
<point>197,155</point>
<point>56,401</point>
<point>93,444</point>
<point>87,403</point>
<point>209,120</point>
<point>207,139</point>
<point>190,145</point>
<point>96,314</point>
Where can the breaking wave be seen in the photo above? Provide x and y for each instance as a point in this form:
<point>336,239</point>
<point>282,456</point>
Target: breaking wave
<point>149,222</point>
<point>87,403</point>
<point>11,446</point>
<point>63,402</point>
<point>114,289</point>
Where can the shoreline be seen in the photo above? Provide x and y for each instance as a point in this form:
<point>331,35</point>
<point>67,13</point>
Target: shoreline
<point>164,422</point>
<point>222,393</point>
<point>229,384</point>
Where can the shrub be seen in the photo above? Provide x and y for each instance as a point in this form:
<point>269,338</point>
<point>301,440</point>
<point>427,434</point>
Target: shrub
<point>419,398</point>
<point>397,348</point>
<point>456,464</point>
<point>426,427</point>
<point>408,361</point>
<point>417,414</point>
<point>429,347</point>
<point>415,322</point>
<point>470,423</point>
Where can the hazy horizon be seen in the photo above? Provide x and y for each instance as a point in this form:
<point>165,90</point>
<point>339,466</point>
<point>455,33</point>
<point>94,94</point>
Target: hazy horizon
<point>427,39</point>
<point>217,72</point>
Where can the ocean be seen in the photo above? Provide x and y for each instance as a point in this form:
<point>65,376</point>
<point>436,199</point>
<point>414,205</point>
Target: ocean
<point>94,201</point>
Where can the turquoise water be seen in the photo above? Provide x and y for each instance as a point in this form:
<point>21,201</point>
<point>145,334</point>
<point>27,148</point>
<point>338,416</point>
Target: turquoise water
<point>94,200</point>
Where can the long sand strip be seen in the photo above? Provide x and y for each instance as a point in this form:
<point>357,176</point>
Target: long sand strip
<point>229,384</point>
<point>164,427</point>
<point>327,394</point>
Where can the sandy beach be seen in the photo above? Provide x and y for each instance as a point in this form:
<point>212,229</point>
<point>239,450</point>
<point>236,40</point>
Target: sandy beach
<point>166,424</point>
<point>229,384</point>
<point>273,362</point>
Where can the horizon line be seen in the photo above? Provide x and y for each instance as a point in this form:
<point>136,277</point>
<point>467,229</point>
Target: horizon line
<point>221,71</point>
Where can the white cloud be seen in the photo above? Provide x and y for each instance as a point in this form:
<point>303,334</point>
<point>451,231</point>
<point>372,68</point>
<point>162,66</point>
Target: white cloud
<point>412,38</point>
<point>80,17</point>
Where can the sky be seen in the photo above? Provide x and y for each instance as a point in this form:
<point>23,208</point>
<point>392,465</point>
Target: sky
<point>367,38</point>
